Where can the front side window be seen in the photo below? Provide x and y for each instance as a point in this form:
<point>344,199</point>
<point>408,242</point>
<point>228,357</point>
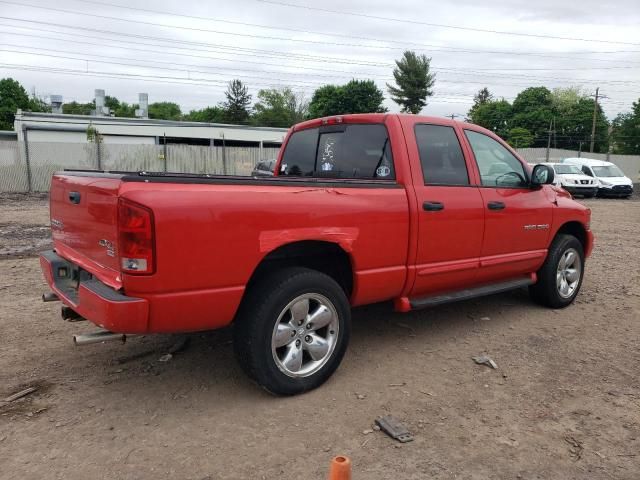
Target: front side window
<point>498,166</point>
<point>340,151</point>
<point>441,156</point>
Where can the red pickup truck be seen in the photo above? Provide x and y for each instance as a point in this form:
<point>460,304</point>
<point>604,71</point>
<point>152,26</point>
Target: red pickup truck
<point>362,208</point>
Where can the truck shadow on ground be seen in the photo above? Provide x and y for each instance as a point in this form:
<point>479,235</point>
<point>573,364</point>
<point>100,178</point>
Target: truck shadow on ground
<point>205,361</point>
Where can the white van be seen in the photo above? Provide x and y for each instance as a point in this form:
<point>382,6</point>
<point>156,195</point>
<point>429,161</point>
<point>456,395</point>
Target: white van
<point>571,178</point>
<point>611,181</point>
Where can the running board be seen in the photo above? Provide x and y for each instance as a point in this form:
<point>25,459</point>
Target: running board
<point>467,294</point>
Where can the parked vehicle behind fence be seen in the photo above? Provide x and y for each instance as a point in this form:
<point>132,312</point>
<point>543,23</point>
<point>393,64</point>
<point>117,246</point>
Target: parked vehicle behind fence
<point>419,211</point>
<point>571,178</point>
<point>612,182</point>
<point>264,168</point>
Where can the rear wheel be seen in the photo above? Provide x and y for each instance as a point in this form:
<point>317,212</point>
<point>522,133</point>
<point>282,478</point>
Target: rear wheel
<point>560,278</point>
<point>292,330</point>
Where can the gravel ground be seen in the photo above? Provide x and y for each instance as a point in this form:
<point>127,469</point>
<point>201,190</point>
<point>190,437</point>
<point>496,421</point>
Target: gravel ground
<point>564,402</point>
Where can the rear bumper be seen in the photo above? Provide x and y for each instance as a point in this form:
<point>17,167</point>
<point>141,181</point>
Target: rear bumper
<point>95,301</point>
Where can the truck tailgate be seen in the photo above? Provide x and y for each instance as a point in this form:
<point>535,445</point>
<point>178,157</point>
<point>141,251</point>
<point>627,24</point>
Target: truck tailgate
<point>84,213</point>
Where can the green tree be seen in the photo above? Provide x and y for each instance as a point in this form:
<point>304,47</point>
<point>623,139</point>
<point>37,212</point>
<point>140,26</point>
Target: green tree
<point>574,126</point>
<point>414,82</point>
<point>494,115</point>
<point>326,100</point>
<point>564,99</point>
<point>207,114</point>
<point>356,96</point>
<point>483,97</point>
<point>279,108</point>
<point>75,108</point>
<point>520,138</point>
<point>165,111</point>
<point>13,96</point>
<point>626,131</point>
<point>237,104</point>
<point>533,111</point>
<point>120,109</point>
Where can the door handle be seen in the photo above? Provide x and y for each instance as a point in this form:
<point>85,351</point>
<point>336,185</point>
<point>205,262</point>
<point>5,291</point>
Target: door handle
<point>432,206</point>
<point>496,205</point>
<point>74,197</point>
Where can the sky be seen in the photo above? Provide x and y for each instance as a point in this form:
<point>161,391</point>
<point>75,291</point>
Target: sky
<point>186,52</point>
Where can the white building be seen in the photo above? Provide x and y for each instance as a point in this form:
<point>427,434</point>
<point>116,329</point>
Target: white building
<point>55,127</point>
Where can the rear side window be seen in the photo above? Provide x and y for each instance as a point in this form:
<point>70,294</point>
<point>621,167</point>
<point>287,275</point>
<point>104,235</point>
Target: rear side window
<point>300,153</point>
<point>343,151</point>
<point>441,156</point>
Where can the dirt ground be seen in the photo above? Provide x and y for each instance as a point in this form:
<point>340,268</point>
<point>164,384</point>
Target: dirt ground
<point>564,402</point>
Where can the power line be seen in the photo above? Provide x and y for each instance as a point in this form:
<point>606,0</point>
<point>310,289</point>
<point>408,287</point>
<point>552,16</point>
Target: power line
<point>245,35</point>
<point>473,73</point>
<point>442,25</point>
<point>332,34</point>
<point>194,68</point>
<point>160,79</point>
<point>271,53</point>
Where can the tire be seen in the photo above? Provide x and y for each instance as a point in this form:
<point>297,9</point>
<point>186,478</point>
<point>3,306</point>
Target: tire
<point>550,291</point>
<point>275,340</point>
<point>589,195</point>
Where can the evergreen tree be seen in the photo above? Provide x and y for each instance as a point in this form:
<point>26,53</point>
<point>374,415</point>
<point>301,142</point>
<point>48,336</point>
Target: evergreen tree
<point>414,82</point>
<point>237,105</point>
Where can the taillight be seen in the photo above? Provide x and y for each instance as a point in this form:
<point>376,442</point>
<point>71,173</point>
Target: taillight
<point>135,238</point>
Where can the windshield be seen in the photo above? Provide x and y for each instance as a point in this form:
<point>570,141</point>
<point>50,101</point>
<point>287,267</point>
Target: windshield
<point>608,171</point>
<point>564,169</point>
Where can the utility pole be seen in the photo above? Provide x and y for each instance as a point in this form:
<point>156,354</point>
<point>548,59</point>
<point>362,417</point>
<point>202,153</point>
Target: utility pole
<point>549,140</point>
<point>593,123</point>
<point>595,114</point>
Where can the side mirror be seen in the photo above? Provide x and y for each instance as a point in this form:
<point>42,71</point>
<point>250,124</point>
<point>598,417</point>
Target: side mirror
<point>542,175</point>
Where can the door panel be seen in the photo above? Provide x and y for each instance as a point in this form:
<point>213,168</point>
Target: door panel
<point>450,239</point>
<point>515,237</point>
<point>450,212</point>
<point>517,217</point>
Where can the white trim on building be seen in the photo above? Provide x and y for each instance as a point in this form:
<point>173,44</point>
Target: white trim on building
<point>54,127</point>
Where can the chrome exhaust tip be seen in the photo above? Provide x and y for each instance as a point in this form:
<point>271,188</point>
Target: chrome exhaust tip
<point>50,297</point>
<point>98,337</point>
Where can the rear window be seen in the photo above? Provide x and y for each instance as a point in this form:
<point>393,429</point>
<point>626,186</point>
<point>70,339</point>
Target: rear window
<point>340,151</point>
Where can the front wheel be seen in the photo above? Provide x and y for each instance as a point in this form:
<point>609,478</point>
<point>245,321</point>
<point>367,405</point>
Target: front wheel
<point>292,330</point>
<point>560,278</point>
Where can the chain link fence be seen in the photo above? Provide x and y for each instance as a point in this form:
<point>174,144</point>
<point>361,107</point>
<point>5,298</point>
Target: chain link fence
<point>29,167</point>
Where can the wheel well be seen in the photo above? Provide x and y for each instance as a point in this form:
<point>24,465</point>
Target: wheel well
<point>577,230</point>
<point>326,257</point>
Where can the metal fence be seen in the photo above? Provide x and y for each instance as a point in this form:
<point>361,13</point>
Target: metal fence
<point>29,167</point>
